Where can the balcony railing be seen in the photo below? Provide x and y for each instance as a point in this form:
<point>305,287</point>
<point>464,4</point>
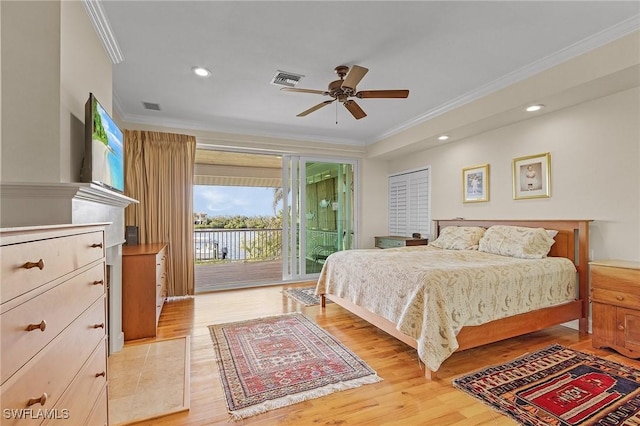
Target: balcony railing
<point>237,244</point>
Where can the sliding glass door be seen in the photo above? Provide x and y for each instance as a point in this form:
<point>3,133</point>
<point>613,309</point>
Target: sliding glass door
<point>318,213</point>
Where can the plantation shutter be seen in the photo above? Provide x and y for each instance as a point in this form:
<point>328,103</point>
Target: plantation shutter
<point>409,204</point>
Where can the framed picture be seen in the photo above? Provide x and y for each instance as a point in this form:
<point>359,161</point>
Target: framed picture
<point>475,184</point>
<point>532,176</point>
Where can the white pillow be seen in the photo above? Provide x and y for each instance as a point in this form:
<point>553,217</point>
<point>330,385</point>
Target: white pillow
<point>516,241</point>
<point>459,238</point>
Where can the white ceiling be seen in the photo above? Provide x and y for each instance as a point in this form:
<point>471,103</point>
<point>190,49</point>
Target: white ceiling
<point>443,52</point>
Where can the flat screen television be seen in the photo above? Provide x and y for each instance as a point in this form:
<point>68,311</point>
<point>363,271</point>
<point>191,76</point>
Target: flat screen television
<point>103,162</point>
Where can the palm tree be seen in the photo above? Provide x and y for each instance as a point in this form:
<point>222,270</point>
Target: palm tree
<point>278,196</point>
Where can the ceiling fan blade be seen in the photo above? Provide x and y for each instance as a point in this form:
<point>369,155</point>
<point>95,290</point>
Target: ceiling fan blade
<point>295,89</point>
<point>355,109</point>
<point>382,94</point>
<point>354,76</point>
<point>314,108</point>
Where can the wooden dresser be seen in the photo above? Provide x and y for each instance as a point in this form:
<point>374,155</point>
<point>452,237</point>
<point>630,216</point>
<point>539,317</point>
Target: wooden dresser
<point>393,241</point>
<point>54,325</point>
<point>144,288</point>
<point>615,297</point>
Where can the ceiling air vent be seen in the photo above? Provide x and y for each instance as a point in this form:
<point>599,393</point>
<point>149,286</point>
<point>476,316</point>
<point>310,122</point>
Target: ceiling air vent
<point>151,106</point>
<point>287,79</point>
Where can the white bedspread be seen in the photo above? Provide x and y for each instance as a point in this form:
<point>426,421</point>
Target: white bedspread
<point>430,293</point>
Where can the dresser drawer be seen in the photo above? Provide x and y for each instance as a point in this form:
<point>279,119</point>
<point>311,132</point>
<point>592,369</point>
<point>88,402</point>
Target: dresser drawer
<point>618,298</point>
<point>161,258</point>
<point>27,266</point>
<point>51,371</point>
<point>57,307</point>
<point>100,413</point>
<point>85,389</point>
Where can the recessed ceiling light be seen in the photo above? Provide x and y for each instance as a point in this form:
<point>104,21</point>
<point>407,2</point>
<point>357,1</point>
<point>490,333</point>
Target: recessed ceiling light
<point>534,108</point>
<point>443,138</point>
<point>201,72</point>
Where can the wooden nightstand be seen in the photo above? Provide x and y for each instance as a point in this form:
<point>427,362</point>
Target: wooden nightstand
<point>393,241</point>
<point>615,297</point>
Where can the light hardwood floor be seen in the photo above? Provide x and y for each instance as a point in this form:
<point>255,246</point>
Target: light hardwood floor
<point>404,397</point>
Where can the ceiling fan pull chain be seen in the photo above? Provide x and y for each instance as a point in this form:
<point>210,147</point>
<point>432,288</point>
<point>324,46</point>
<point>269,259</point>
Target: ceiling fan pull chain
<point>336,112</point>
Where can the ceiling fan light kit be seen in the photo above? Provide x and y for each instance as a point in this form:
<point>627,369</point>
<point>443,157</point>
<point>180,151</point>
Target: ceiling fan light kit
<point>345,88</point>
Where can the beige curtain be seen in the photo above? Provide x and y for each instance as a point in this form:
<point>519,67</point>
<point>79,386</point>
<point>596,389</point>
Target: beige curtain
<point>159,174</point>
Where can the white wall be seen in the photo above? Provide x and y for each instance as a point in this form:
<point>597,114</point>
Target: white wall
<point>52,58</point>
<point>30,91</point>
<point>373,198</point>
<point>84,67</point>
<point>595,171</point>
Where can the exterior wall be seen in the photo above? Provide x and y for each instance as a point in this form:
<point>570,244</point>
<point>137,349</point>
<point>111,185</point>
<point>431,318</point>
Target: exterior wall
<point>595,171</point>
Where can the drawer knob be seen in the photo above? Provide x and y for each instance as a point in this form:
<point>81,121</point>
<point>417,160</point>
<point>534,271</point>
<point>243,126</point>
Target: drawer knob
<point>98,282</point>
<point>39,264</point>
<point>103,374</point>
<point>96,245</point>
<point>621,327</point>
<point>101,325</point>
<point>619,298</point>
<point>40,400</point>
<point>41,326</point>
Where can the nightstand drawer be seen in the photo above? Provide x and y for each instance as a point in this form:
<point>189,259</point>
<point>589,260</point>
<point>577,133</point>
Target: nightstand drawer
<point>617,298</point>
<point>394,241</point>
<point>615,278</point>
<point>388,243</point>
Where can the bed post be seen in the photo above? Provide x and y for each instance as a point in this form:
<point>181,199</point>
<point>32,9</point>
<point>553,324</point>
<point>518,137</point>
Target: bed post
<point>583,274</point>
<point>430,375</point>
<point>323,300</point>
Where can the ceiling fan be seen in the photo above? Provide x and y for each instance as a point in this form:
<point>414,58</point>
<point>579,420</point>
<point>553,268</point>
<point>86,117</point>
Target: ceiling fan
<point>345,88</point>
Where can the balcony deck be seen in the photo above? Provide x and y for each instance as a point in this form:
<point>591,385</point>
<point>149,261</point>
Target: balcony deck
<point>224,276</point>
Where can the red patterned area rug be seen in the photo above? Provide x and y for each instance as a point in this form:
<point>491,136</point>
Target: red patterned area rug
<point>272,362</point>
<point>559,386</point>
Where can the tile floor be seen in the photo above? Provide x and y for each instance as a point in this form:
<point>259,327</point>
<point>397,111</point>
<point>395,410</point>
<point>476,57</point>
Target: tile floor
<point>148,379</point>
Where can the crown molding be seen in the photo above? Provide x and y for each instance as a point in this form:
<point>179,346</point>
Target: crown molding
<point>103,29</point>
<point>592,42</point>
<point>197,126</point>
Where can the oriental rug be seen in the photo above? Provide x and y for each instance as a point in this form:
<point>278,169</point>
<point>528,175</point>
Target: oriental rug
<point>304,295</point>
<point>561,387</point>
<point>273,362</point>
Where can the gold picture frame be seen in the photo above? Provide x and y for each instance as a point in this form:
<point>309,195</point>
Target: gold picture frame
<point>532,176</point>
<point>475,184</point>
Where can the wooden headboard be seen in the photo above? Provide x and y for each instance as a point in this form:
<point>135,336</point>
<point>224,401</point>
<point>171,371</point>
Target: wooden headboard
<point>572,242</point>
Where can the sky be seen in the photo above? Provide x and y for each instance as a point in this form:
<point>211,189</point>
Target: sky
<point>233,200</point>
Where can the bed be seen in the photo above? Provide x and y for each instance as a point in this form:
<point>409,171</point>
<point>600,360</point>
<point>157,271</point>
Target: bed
<point>441,301</point>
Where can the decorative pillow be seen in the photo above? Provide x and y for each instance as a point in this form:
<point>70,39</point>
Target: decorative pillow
<point>459,238</point>
<point>516,241</point>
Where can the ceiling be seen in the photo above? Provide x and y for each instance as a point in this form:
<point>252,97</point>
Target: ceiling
<point>443,52</point>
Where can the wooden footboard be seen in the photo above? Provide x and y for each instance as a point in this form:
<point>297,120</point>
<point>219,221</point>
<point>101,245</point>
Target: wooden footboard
<point>571,242</point>
<point>474,336</point>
